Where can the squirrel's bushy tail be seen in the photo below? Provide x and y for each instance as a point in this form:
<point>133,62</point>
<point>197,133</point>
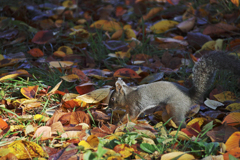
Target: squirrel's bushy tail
<point>204,71</point>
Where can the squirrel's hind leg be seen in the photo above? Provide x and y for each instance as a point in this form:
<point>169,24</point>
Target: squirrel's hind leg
<point>177,113</point>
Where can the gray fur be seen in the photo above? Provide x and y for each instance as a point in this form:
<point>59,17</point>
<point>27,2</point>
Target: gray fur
<point>176,98</point>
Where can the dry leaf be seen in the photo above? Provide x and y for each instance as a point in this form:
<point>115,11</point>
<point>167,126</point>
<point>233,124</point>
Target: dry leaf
<point>26,150</point>
<point>94,96</point>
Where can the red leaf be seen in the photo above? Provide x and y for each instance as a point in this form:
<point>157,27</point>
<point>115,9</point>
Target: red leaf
<point>42,37</point>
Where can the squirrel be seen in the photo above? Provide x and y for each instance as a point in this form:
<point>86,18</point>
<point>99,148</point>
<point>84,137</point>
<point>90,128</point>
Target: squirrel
<point>176,98</point>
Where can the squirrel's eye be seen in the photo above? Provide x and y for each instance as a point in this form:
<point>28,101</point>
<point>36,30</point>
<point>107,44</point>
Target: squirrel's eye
<point>112,99</point>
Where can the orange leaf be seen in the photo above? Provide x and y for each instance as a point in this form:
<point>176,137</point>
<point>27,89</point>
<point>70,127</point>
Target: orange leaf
<point>236,2</point>
<point>232,119</point>
<point>126,73</point>
<point>124,150</point>
<point>42,37</point>
<point>79,117</point>
<point>234,152</point>
<point>60,54</point>
<point>3,124</point>
<point>30,91</point>
<point>192,130</point>
<point>233,141</point>
<point>36,52</point>
<point>120,11</point>
<point>106,25</point>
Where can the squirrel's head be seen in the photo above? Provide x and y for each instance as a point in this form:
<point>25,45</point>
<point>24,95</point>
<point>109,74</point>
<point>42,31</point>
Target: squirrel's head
<point>118,98</point>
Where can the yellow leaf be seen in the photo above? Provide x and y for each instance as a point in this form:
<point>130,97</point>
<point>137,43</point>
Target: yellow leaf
<point>70,78</point>
<point>16,127</point>
<point>106,25</point>
<point>127,151</point>
<point>69,4</point>
<point>172,155</point>
<point>163,26</point>
<point>210,45</point>
<point>127,26</point>
<point>93,141</point>
<point>117,34</point>
<point>121,54</point>
<point>235,2</point>
<point>26,150</point>
<point>130,34</point>
<point>39,117</point>
<point>180,135</point>
<point>225,96</point>
<point>85,144</point>
<point>233,107</point>
<point>111,137</point>
<point>152,13</point>
<point>59,64</point>
<point>14,74</point>
<point>1,57</point>
<point>95,96</point>
<point>80,102</point>
<point>200,121</point>
<point>235,54</point>
<point>66,49</point>
<point>55,88</point>
<point>4,152</point>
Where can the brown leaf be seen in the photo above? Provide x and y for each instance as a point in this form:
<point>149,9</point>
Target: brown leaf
<point>100,116</point>
<point>80,74</point>
<point>104,130</point>
<point>220,28</point>
<point>192,130</point>
<point>56,116</point>
<point>42,37</point>
<point>221,133</point>
<point>30,91</point>
<point>57,127</point>
<point>85,88</point>
<point>65,153</point>
<point>79,117</point>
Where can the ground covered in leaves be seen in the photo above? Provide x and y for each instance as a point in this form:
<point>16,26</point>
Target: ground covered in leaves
<point>59,61</point>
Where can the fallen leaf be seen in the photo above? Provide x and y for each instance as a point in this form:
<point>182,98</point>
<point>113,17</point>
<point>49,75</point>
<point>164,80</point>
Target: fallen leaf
<point>25,149</point>
<point>30,91</point>
<point>36,52</point>
<point>42,37</point>
<point>95,96</point>
<point>126,73</point>
<point>106,25</point>
<point>178,155</point>
<point>163,26</point>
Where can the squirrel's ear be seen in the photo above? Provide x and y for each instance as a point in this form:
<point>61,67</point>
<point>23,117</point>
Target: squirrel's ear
<point>121,86</point>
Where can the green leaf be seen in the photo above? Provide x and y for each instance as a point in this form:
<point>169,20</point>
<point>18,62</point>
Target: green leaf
<point>231,157</point>
<point>149,148</point>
